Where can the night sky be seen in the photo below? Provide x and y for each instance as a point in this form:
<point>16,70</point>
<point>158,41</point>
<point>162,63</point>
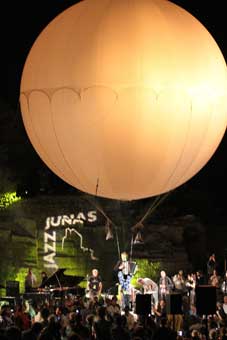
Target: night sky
<point>22,21</point>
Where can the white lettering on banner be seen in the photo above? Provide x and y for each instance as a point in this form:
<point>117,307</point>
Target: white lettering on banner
<point>81,216</point>
<point>47,223</point>
<point>92,216</point>
<point>50,236</point>
<point>48,247</point>
<point>50,258</point>
<point>72,219</point>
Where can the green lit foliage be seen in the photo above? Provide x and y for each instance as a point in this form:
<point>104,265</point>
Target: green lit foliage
<point>8,199</point>
<point>145,268</point>
<point>7,183</point>
<point>7,269</point>
<point>19,253</point>
<point>20,276</point>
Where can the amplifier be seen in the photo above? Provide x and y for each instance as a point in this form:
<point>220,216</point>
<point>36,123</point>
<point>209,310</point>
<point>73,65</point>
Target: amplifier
<point>12,288</point>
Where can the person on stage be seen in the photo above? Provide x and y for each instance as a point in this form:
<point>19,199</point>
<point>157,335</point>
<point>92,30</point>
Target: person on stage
<point>30,281</point>
<point>211,265</point>
<point>179,282</point>
<point>224,284</point>
<point>165,285</point>
<point>124,277</point>
<point>190,284</point>
<point>149,287</point>
<point>94,284</point>
<point>44,277</point>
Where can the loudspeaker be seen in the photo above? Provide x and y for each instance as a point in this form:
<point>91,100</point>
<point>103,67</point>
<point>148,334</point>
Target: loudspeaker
<point>143,304</point>
<point>205,300</point>
<point>174,303</point>
<point>12,288</point>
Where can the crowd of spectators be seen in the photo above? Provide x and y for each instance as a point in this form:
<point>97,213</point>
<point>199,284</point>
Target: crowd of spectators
<point>73,317</point>
<point>76,317</point>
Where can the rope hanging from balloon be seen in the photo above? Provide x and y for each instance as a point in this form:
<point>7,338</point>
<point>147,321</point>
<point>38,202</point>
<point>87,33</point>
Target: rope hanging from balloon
<point>159,199</point>
<point>136,227</point>
<point>109,222</point>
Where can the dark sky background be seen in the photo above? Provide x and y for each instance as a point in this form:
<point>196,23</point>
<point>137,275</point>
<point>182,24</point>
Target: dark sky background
<point>20,24</point>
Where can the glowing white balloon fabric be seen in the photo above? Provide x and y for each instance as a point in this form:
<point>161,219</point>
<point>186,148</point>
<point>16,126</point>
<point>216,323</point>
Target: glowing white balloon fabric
<point>126,99</point>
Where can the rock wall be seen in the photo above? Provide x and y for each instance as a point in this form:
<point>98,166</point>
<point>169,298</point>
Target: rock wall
<point>47,233</point>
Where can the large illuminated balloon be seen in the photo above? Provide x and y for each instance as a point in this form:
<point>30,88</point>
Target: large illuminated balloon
<point>125,99</point>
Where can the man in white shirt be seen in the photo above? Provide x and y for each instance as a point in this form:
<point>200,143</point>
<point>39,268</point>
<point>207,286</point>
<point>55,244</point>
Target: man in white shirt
<point>30,281</point>
<point>149,287</point>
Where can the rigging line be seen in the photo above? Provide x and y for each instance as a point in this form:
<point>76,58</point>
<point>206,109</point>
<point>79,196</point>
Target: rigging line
<point>97,206</point>
<point>152,208</point>
<point>118,245</point>
<point>97,186</point>
<point>154,205</point>
<point>99,209</point>
<point>108,219</point>
<point>131,248</point>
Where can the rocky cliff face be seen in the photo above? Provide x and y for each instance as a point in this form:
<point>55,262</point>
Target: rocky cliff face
<point>48,232</point>
<point>180,243</point>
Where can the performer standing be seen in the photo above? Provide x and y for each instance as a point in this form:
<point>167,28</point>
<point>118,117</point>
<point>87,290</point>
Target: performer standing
<point>94,284</point>
<point>190,284</point>
<point>44,277</point>
<point>179,282</point>
<point>224,284</point>
<point>30,281</point>
<point>124,277</point>
<point>149,287</point>
<point>165,285</point>
<point>211,265</point>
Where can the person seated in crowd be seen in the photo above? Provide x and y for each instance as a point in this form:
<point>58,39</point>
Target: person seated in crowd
<point>130,317</point>
<point>33,332</point>
<point>102,327</point>
<point>223,333</point>
<point>6,317</point>
<point>160,311</point>
<point>119,330</point>
<point>195,335</point>
<point>113,308</point>
<point>164,331</point>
